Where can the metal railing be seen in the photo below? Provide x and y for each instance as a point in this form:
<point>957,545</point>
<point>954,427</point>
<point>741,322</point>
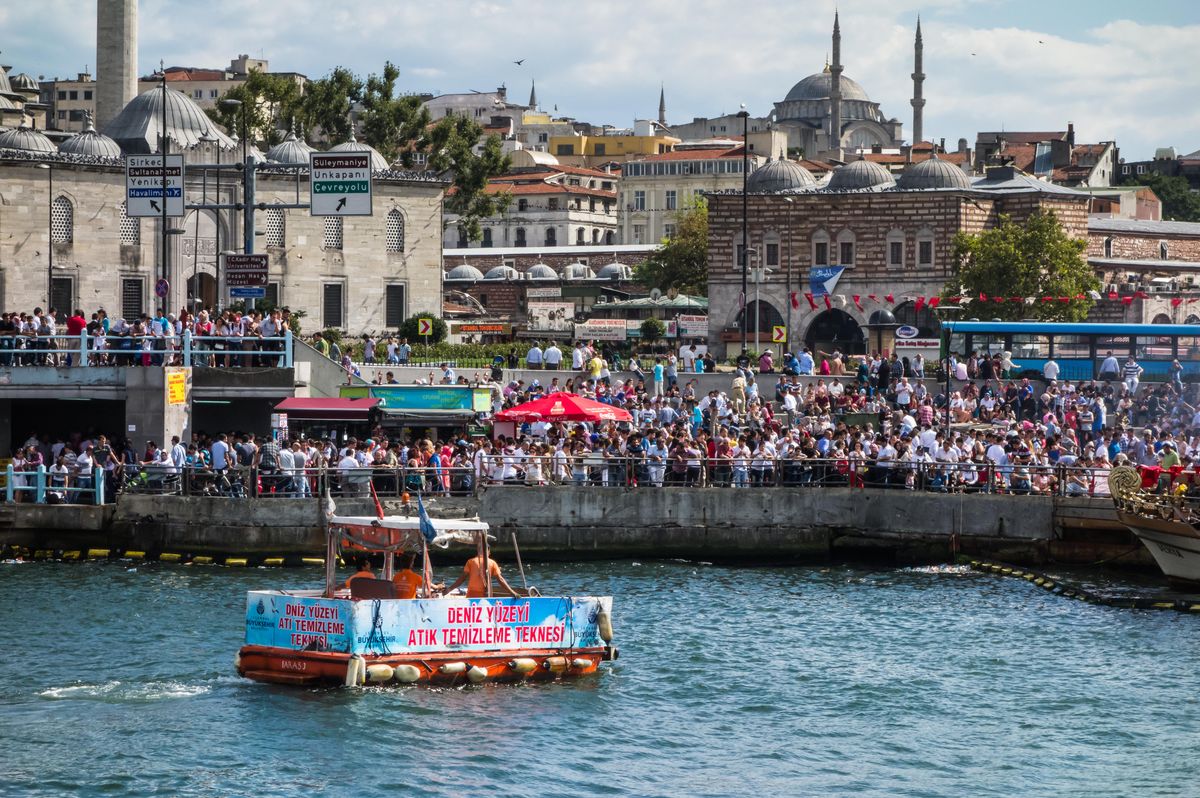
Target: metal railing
<point>86,350</point>
<point>42,486</point>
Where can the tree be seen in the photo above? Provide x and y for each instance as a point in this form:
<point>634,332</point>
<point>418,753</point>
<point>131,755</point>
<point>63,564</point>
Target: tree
<point>411,328</point>
<point>652,330</point>
<point>328,102</point>
<point>680,261</point>
<point>391,124</point>
<point>1035,259</point>
<point>450,145</point>
<point>1179,202</point>
<point>271,102</point>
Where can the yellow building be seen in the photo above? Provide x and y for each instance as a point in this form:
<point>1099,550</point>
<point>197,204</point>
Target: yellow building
<point>646,138</point>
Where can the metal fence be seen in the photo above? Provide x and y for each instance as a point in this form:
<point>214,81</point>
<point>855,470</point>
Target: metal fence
<point>85,350</point>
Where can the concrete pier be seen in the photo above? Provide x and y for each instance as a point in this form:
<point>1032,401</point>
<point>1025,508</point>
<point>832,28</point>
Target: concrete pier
<point>570,523</point>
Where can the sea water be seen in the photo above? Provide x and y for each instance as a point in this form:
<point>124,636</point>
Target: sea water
<point>117,679</point>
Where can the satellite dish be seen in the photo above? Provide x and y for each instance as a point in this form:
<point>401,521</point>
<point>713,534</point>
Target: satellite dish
<point>655,294</point>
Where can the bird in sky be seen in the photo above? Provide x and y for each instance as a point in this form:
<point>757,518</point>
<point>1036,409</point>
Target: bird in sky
<point>518,63</point>
<point>1040,41</point>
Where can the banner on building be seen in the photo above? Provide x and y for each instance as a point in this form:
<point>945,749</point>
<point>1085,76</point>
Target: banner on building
<point>693,326</point>
<point>601,330</point>
<point>823,279</point>
<point>544,292</point>
<point>551,316</point>
<point>476,328</point>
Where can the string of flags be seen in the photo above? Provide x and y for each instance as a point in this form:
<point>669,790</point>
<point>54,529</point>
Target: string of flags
<point>921,302</point>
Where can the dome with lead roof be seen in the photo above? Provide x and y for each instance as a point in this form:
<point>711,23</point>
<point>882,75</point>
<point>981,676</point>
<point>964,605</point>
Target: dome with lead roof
<point>292,151</point>
<point>540,271</point>
<point>859,175</point>
<point>378,162</point>
<point>26,140</point>
<point>932,174</point>
<point>577,271</point>
<point>137,128</point>
<point>779,175</point>
<point>817,87</point>
<point>502,273</point>
<point>91,143</point>
<point>464,271</point>
<point>615,271</point>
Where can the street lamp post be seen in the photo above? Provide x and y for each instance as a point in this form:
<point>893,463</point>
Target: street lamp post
<point>745,115</point>
<point>49,235</point>
<point>787,273</point>
<point>946,314</point>
<point>247,185</point>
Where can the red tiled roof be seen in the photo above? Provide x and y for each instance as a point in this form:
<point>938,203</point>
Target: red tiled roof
<point>188,73</point>
<point>696,155</point>
<point>1029,137</point>
<point>546,188</point>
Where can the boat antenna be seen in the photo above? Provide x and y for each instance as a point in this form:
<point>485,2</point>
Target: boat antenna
<point>520,566</point>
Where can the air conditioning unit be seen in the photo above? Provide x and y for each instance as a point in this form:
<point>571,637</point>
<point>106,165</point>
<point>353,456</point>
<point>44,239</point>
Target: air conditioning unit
<point>602,300</point>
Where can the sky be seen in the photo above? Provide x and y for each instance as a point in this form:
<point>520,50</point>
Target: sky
<point>1122,71</point>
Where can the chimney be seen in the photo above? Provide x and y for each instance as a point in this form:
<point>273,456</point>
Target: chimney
<point>502,93</point>
<point>941,145</point>
<point>1071,135</point>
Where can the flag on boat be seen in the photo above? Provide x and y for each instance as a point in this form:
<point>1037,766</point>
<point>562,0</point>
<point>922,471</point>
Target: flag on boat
<point>427,528</point>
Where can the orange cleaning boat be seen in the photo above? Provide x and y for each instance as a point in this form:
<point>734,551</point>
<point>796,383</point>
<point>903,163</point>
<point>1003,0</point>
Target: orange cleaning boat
<point>365,635</point>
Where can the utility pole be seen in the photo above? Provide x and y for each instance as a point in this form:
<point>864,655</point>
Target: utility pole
<point>745,115</point>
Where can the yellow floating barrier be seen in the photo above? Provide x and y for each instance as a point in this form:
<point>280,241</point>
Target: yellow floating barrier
<point>97,554</point>
<point>135,555</point>
<point>277,561</point>
<point>71,555</point>
<point>312,561</point>
<point>168,557</point>
<point>202,560</point>
<point>235,562</point>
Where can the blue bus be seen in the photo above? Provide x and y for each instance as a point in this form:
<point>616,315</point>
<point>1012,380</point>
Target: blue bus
<point>1079,349</point>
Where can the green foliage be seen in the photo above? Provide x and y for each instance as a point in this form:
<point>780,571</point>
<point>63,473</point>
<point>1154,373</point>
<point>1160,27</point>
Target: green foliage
<point>272,104</point>
<point>1035,259</point>
<point>327,104</point>
<point>1179,202</point>
<point>451,147</point>
<point>391,124</point>
<point>653,329</point>
<point>410,329</point>
<point>682,261</point>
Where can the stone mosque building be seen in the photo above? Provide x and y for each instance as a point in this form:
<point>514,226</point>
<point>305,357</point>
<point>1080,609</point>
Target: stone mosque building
<point>66,241</point>
<point>826,114</point>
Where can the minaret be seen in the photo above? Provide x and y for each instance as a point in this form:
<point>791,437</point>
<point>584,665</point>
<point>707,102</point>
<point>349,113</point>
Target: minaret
<point>116,57</point>
<point>835,92</point>
<point>918,101</point>
<point>533,95</point>
<point>662,106</point>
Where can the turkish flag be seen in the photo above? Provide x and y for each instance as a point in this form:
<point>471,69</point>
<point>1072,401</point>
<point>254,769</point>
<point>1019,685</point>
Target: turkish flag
<point>857,301</point>
<point>1016,299</point>
<point>890,298</point>
<point>1047,299</point>
<point>872,297</point>
<point>920,303</point>
<point>811,304</point>
<point>1176,302</point>
<point>794,298</point>
<point>1064,299</point>
<point>828,304</point>
<point>934,301</point>
<point>1128,300</point>
<point>998,299</point>
<point>956,299</point>
<point>983,297</point>
<point>1113,295</point>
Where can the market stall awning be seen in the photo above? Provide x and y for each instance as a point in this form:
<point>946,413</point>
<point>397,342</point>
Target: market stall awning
<point>436,415</point>
<point>326,408</point>
<point>563,406</point>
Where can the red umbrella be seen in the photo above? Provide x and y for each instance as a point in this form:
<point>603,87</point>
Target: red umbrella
<point>563,406</point>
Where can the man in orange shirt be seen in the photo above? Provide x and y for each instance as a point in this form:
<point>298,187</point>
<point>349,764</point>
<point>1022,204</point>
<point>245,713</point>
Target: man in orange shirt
<point>364,571</point>
<point>406,579</point>
<point>474,575</point>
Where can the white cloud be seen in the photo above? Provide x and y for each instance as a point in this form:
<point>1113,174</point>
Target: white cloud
<point>1114,78</point>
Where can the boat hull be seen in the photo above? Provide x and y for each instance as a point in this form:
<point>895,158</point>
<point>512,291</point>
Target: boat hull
<point>277,665</point>
<point>1174,545</point>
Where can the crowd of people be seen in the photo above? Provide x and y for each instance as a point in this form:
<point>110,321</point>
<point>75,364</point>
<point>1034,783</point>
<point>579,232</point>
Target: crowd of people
<point>227,339</point>
<point>871,421</point>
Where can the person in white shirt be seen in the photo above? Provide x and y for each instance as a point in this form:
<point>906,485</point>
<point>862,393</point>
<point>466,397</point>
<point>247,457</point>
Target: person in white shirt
<point>1050,371</point>
<point>533,358</point>
<point>578,357</point>
<point>299,476</point>
<point>552,357</point>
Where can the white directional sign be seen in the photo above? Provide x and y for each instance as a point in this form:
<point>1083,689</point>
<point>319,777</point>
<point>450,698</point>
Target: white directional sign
<point>144,185</point>
<point>340,183</point>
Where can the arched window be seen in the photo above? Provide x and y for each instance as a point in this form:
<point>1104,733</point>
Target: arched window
<point>332,238</point>
<point>487,237</point>
<point>1161,318</point>
<point>579,235</point>
<point>1162,250</point>
<point>595,236</point>
<point>924,319</point>
<point>274,227</point>
<point>845,248</point>
<point>770,250</point>
<point>131,228</point>
<point>395,231</point>
<point>1108,247</point>
<point>820,248</point>
<point>463,243</point>
<point>925,248</point>
<point>610,237</point>
<point>551,237</point>
<point>520,237</point>
<point>62,221</point>
<point>895,248</point>
<point>762,316</point>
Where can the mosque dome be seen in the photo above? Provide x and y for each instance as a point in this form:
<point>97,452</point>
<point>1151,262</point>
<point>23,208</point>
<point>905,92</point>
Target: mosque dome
<point>7,104</point>
<point>26,140</point>
<point>136,129</point>
<point>91,143</point>
<point>290,152</point>
<point>378,162</point>
<point>540,271</point>
<point>859,175</point>
<point>816,87</point>
<point>577,271</point>
<point>502,273</point>
<point>779,175</point>
<point>615,271</point>
<point>24,83</point>
<point>933,173</point>
<point>464,271</point>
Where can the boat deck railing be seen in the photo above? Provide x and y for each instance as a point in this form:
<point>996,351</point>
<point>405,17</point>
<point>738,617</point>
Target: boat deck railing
<point>84,350</point>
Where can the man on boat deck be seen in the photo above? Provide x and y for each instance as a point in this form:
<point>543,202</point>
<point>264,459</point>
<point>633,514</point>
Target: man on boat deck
<point>406,579</point>
<point>473,574</point>
<point>364,571</point>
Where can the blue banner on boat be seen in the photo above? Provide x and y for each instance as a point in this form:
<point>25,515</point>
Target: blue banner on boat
<point>823,279</point>
<point>422,625</point>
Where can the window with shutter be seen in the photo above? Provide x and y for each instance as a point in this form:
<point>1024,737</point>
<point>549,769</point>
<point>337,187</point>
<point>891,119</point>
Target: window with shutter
<point>274,227</point>
<point>331,305</point>
<point>394,305</point>
<point>395,231</point>
<point>333,233</point>
<point>62,294</point>
<point>132,302</point>
<point>62,221</point>
<point>131,228</point>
